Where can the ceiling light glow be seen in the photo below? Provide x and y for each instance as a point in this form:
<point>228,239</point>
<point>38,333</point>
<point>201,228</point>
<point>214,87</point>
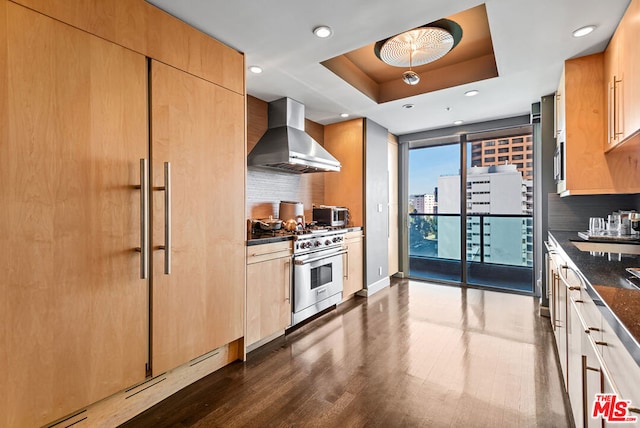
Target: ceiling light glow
<point>583,31</point>
<point>255,69</point>
<point>472,93</point>
<point>322,31</point>
<point>344,115</point>
<point>458,122</point>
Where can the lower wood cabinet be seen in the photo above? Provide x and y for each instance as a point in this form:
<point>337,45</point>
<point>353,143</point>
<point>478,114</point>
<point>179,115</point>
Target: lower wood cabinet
<point>593,359</point>
<point>353,264</point>
<point>268,290</point>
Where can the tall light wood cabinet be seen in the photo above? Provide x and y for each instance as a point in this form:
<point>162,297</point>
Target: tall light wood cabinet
<point>199,305</point>
<point>79,112</point>
<point>74,310</point>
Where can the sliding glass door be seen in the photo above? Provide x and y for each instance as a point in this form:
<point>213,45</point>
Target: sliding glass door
<point>490,216</point>
<point>434,231</point>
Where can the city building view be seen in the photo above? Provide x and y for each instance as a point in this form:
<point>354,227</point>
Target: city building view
<point>499,207</point>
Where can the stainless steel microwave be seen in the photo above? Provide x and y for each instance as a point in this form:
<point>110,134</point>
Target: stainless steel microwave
<point>331,216</point>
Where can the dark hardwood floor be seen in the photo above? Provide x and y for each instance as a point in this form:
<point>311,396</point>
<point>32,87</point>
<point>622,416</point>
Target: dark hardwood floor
<point>414,355</point>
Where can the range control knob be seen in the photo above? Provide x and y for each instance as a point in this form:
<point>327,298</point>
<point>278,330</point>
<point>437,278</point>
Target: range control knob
<point>317,243</point>
<point>327,242</point>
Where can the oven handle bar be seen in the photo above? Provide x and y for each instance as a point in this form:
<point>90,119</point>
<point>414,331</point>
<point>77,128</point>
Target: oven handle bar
<point>304,262</point>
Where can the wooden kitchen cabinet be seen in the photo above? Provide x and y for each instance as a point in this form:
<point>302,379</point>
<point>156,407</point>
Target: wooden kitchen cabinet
<point>79,112</point>
<point>268,291</point>
<point>614,83</point>
<point>586,168</point>
<point>353,264</point>
<point>199,306</point>
<point>622,83</point>
<point>73,309</point>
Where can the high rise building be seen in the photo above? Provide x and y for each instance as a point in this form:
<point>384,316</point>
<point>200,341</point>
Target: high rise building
<point>517,150</point>
<point>491,238</point>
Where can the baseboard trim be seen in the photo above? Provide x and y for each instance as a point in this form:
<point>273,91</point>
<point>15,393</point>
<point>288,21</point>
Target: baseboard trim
<point>125,405</point>
<point>375,287</point>
<point>543,311</point>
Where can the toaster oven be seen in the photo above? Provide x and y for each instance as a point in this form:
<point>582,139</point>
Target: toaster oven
<point>331,216</point>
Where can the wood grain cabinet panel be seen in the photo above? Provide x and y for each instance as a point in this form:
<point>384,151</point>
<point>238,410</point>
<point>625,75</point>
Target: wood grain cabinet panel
<point>74,310</point>
<point>586,169</point>
<point>345,141</point>
<point>614,85</point>
<point>353,264</point>
<point>144,28</point>
<point>269,274</point>
<point>629,64</point>
<point>199,128</point>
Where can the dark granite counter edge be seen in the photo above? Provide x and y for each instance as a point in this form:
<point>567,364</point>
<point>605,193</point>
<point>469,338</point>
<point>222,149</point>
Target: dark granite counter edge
<point>280,238</point>
<point>562,241</point>
<point>269,240</point>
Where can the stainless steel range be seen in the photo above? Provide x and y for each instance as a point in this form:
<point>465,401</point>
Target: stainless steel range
<point>317,273</point>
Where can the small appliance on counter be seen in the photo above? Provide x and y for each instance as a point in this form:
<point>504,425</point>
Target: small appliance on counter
<point>292,211</point>
<point>328,215</point>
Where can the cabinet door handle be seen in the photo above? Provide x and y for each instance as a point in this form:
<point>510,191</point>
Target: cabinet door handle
<point>167,218</point>
<point>144,219</point>
<point>287,284</point>
<point>616,110</point>
<point>346,256</point>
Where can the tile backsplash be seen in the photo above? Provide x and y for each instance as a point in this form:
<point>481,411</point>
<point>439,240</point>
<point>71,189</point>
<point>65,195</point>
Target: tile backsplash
<point>266,188</point>
<point>572,213</point>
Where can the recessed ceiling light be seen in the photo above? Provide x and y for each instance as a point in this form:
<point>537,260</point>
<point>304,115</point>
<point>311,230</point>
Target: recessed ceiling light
<point>322,31</point>
<point>344,115</point>
<point>472,93</point>
<point>407,106</point>
<point>458,122</point>
<point>255,69</point>
<point>581,32</point>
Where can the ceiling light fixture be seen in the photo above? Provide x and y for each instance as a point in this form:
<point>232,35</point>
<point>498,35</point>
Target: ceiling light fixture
<point>419,46</point>
<point>472,93</point>
<point>322,31</point>
<point>344,115</point>
<point>583,31</point>
<point>255,69</point>
<point>407,106</point>
<point>458,122</point>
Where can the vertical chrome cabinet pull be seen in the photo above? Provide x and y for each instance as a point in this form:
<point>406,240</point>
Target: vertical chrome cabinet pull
<point>167,218</point>
<point>144,219</point>
<point>287,284</point>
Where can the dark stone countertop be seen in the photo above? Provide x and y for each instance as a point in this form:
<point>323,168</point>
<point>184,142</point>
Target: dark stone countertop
<point>607,284</point>
<point>279,236</point>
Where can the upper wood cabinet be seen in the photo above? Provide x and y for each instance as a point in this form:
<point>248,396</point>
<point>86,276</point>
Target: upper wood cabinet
<point>622,79</point>
<point>73,309</point>
<point>614,84</point>
<point>586,169</point>
<point>146,29</point>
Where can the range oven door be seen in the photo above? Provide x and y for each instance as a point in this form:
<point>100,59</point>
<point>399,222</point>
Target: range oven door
<point>317,277</point>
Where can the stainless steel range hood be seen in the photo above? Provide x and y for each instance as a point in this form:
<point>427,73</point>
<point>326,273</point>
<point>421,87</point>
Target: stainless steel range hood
<point>286,146</point>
